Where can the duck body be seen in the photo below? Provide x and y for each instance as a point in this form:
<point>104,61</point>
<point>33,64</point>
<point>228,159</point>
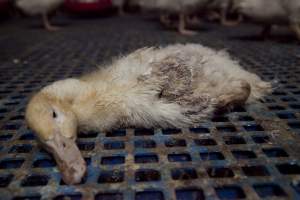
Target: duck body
<point>272,12</point>
<point>176,86</point>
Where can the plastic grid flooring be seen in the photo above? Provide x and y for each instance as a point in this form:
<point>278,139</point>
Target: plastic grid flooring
<point>249,153</point>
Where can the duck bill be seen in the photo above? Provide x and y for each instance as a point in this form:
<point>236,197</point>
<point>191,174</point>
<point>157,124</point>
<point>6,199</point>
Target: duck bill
<point>68,158</point>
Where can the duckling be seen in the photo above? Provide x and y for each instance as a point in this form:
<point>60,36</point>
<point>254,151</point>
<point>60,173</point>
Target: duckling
<point>272,12</point>
<point>175,86</point>
<point>182,8</point>
<point>40,7</point>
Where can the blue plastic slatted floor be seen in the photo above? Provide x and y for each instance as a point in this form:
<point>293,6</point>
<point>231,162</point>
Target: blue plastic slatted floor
<point>250,153</point>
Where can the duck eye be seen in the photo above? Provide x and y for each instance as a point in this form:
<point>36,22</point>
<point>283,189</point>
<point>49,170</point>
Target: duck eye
<point>54,115</point>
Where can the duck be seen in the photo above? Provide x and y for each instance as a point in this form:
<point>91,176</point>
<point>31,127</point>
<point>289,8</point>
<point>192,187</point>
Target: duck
<point>181,8</point>
<point>120,5</point>
<point>40,7</point>
<point>177,86</point>
<point>278,12</point>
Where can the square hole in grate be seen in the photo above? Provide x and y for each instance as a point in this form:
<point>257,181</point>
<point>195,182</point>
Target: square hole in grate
<point>113,160</point>
<point>18,117</point>
<point>220,172</point>
<point>109,196</point>
<point>143,132</point>
<point>226,128</point>
<point>35,180</point>
<point>5,137</point>
<point>295,106</point>
<point>180,157</point>
<point>12,127</point>
<point>112,145</point>
<point>189,194</point>
<point>90,134</point>
<point>27,136</point>
<point>276,107</point>
<point>184,173</point>
<point>245,118</point>
<point>288,169</point>
<point>44,163</point>
<point>286,115</point>
<point>230,192</point>
<point>238,109</point>
<point>220,119</point>
<point>171,131</point>
<point>212,156</point>
<point>145,144</point>
<point>253,127</point>
<point>146,158</point>
<point>234,140</point>
<point>269,190</point>
<point>205,142</point>
<point>116,133</point>
<point>114,176</point>
<point>199,130</point>
<point>86,146</point>
<point>260,139</point>
<point>5,180</point>
<point>175,142</point>
<point>149,195</point>
<point>243,154</point>
<point>294,125</point>
<point>23,148</point>
<point>288,99</point>
<point>255,171</point>
<point>11,163</point>
<point>275,152</point>
<point>145,175</point>
<point>31,197</point>
<point>68,197</point>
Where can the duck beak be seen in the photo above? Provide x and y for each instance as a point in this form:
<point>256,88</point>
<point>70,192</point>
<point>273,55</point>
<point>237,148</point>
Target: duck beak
<point>68,158</point>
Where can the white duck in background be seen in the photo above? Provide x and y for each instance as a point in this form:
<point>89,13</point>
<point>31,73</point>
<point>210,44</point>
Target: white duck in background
<point>40,7</point>
<point>272,12</point>
<point>176,86</point>
<point>180,7</point>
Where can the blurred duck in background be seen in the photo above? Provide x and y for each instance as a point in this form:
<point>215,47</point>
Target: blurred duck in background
<point>40,7</point>
<point>120,5</point>
<point>179,7</point>
<point>271,12</point>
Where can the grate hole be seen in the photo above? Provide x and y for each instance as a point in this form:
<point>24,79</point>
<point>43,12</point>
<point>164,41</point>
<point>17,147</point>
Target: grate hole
<point>86,146</point>
<point>253,127</point>
<point>5,137</point>
<point>199,130</point>
<point>234,140</point>
<point>12,127</point>
<point>189,194</point>
<point>35,180</point>
<point>175,143</point>
<point>246,118</point>
<point>226,128</point>
<point>116,133</point>
<point>220,172</point>
<point>294,125</point>
<point>5,180</point>
<point>238,109</point>
<point>205,142</point>
<point>146,158</point>
<point>87,135</point>
<point>286,115</point>
<point>18,117</point>
<point>268,190</point>
<point>44,163</point>
<point>288,169</point>
<point>240,154</point>
<point>27,136</point>
<point>114,145</point>
<point>182,157</point>
<point>220,119</point>
<point>261,139</point>
<point>184,174</point>
<point>171,131</point>
<point>255,171</point>
<point>109,196</point>
<point>149,195</point>
<point>68,197</point>
<point>143,132</point>
<point>230,192</point>
<point>11,163</point>
<point>288,99</point>
<point>24,148</point>
<point>114,176</point>
<point>113,160</point>
<point>144,144</point>
<point>33,197</point>
<point>212,156</point>
<point>275,152</point>
<point>276,107</point>
<point>295,106</point>
<point>146,175</point>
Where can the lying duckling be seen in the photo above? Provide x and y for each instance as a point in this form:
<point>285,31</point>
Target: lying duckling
<point>176,86</point>
<point>272,12</point>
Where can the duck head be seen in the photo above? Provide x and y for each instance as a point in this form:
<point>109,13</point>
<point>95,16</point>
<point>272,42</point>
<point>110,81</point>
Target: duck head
<point>56,127</point>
